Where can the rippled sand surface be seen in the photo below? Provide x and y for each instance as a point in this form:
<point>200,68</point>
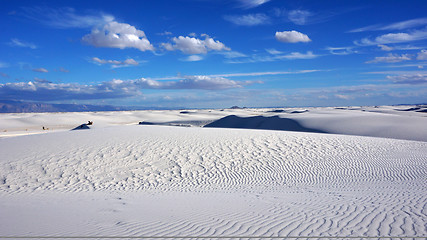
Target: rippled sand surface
<point>138,180</point>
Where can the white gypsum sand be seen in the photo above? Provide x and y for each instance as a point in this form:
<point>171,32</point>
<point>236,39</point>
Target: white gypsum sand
<point>136,180</point>
<point>399,122</point>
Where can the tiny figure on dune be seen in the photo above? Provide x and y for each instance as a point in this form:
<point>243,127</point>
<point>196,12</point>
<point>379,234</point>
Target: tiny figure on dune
<point>89,123</point>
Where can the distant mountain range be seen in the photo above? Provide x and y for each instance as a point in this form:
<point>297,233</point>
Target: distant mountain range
<point>7,106</point>
<point>10,106</point>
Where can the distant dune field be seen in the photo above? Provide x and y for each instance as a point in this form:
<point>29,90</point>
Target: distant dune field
<point>248,172</point>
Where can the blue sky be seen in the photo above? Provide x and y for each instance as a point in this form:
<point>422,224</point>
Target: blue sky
<point>214,54</point>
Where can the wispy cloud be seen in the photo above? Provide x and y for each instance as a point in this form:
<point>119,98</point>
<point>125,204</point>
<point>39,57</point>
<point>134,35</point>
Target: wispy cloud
<point>192,58</point>
<point>273,51</point>
<point>252,74</point>
<point>246,4</point>
<point>345,97</point>
<point>418,65</point>
<point>247,74</point>
<point>394,38</point>
<point>232,54</point>
<point>398,47</point>
<point>40,70</point>
<point>165,33</point>
<point>205,82</point>
<point>298,55</point>
<point>188,82</point>
<point>41,80</point>
<point>406,24</point>
<point>385,47</point>
<point>411,72</point>
<point>65,17</point>
<point>422,55</point>
<point>409,78</point>
<point>271,58</point>
<point>341,50</point>
<point>299,17</point>
<point>116,63</point>
<point>19,43</point>
<point>308,17</point>
<point>394,26</point>
<point>61,69</point>
<point>248,19</point>
<point>391,58</point>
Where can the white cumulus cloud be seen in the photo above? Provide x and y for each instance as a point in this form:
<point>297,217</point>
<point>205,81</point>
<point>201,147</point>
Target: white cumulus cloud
<point>208,83</point>
<point>192,45</point>
<point>41,89</point>
<point>292,37</point>
<point>188,82</point>
<point>118,35</point>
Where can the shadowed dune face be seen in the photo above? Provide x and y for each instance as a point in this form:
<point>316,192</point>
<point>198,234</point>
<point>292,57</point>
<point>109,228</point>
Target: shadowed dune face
<point>260,122</point>
<point>81,127</point>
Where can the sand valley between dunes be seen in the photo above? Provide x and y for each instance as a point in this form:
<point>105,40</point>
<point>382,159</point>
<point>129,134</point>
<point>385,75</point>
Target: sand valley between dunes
<point>252,172</point>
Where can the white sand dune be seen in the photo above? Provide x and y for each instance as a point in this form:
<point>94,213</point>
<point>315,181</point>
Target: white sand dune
<point>120,178</point>
<point>135,180</point>
<point>399,122</point>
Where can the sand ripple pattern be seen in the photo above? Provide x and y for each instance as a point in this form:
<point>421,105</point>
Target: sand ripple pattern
<point>310,184</point>
<point>139,157</point>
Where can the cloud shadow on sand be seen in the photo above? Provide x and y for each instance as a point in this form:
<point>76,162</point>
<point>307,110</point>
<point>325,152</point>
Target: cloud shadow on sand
<point>260,122</point>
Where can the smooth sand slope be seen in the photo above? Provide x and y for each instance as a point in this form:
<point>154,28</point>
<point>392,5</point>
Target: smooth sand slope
<point>145,180</point>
